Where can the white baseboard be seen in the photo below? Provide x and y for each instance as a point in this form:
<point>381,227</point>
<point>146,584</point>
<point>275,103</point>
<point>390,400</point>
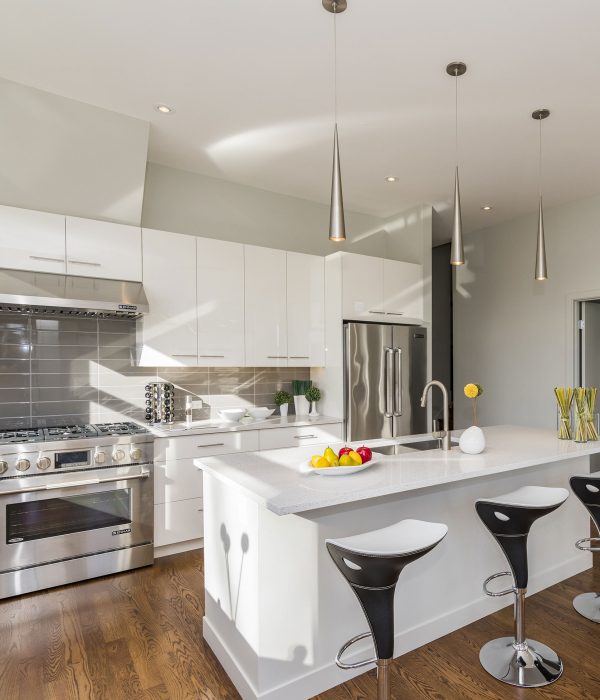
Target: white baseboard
<point>317,680</point>
<point>178,547</point>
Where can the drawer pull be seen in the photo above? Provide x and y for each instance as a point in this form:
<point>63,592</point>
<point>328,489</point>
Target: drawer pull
<point>84,262</point>
<point>372,311</point>
<point>182,354</point>
<point>277,357</point>
<point>395,313</point>
<point>47,259</point>
<point>299,357</point>
<point>207,355</point>
<point>212,444</point>
<point>304,437</point>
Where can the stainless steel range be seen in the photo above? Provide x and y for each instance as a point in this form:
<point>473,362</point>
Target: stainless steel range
<point>75,502</point>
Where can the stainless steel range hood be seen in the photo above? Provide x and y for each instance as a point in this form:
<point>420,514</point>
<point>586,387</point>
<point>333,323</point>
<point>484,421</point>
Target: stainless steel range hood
<point>68,295</point>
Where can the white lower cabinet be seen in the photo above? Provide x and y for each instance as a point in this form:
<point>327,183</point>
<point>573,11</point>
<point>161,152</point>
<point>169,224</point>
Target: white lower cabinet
<point>276,438</point>
<point>178,521</point>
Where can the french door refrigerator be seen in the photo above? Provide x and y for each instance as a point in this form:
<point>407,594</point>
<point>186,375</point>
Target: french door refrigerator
<point>385,373</point>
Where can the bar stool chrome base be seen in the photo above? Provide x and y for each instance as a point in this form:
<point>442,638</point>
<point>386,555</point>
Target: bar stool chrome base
<point>532,666</point>
<point>588,605</point>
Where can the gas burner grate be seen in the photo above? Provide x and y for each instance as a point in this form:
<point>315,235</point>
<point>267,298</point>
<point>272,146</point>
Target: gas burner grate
<point>123,428</point>
<point>8,437</point>
<point>70,432</point>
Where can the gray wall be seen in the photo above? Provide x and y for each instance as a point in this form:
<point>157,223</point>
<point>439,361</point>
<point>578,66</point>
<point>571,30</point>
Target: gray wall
<point>56,371</point>
<point>64,156</point>
<point>441,324</point>
<point>184,202</point>
<point>512,334</point>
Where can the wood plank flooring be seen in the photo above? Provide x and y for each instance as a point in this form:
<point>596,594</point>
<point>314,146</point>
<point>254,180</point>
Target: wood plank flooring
<point>138,636</point>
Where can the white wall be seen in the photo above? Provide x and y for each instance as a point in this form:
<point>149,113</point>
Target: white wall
<point>512,334</point>
<point>185,202</point>
<point>64,156</point>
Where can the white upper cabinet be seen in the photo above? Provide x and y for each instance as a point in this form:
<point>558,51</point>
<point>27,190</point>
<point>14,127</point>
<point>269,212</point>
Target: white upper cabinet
<point>305,310</point>
<point>362,287</point>
<point>169,332</point>
<point>32,240</point>
<point>103,249</point>
<point>220,303</point>
<point>265,307</point>
<point>403,289</point>
<point>377,289</point>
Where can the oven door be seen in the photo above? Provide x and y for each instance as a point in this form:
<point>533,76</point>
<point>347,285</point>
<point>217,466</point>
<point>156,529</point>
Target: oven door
<point>62,516</point>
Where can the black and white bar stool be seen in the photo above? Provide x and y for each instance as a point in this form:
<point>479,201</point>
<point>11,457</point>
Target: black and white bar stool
<point>371,563</point>
<point>517,660</point>
<point>587,490</point>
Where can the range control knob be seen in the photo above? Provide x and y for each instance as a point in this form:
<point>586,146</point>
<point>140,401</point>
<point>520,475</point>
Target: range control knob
<point>118,455</point>
<point>3,466</point>
<point>44,462</point>
<point>100,457</point>
<point>135,454</point>
<point>23,464</point>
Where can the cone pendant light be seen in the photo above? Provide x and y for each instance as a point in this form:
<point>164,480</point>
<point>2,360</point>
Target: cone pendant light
<point>541,269</point>
<point>337,225</point>
<point>457,253</point>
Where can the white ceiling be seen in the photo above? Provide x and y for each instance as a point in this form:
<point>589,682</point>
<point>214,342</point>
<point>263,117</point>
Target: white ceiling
<point>251,82</point>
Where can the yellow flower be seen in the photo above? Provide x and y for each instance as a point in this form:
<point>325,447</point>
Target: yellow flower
<point>471,391</point>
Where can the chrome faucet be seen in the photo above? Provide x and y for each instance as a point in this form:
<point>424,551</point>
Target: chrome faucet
<point>445,434</point>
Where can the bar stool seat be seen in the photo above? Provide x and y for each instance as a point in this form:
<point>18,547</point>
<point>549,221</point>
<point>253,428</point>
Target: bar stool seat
<point>371,563</point>
<point>517,660</point>
<point>587,489</point>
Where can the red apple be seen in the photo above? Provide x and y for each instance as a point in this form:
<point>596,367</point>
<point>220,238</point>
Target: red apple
<point>365,453</point>
<point>344,451</point>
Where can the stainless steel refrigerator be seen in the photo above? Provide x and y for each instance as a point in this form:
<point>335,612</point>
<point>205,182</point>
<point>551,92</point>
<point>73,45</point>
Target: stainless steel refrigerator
<point>385,372</point>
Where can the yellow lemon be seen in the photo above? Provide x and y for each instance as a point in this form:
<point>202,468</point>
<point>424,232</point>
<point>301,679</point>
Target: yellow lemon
<point>319,462</point>
<point>333,461</point>
<point>355,457</point>
<point>347,461</point>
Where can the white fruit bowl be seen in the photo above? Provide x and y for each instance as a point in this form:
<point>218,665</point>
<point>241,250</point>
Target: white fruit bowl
<point>232,415</point>
<point>261,412</point>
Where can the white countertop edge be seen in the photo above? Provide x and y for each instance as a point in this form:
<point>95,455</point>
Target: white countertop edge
<point>578,450</point>
<point>207,427</point>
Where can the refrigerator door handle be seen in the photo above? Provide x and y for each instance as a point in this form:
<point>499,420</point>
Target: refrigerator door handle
<point>397,381</point>
<point>389,374</point>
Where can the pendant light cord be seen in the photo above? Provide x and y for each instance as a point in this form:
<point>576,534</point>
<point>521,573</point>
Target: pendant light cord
<point>540,161</point>
<point>456,116</point>
<point>334,63</point>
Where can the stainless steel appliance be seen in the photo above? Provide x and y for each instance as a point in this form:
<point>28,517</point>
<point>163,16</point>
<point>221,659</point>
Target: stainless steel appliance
<point>69,295</point>
<point>75,502</point>
<point>385,372</point>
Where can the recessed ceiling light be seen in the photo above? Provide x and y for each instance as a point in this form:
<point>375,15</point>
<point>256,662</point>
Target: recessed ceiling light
<point>486,207</point>
<point>164,109</point>
<point>391,178</point>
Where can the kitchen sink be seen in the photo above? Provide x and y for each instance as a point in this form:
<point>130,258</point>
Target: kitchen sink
<point>407,448</point>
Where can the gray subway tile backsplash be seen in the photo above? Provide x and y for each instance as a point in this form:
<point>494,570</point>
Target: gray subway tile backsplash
<point>75,370</point>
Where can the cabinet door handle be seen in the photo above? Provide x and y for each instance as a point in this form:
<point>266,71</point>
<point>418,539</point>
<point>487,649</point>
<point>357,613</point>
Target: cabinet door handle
<point>84,262</point>
<point>277,357</point>
<point>372,311</point>
<point>179,354</point>
<point>208,356</point>
<point>304,437</point>
<point>46,258</point>
<point>212,444</point>
<point>395,313</point>
<point>299,357</point>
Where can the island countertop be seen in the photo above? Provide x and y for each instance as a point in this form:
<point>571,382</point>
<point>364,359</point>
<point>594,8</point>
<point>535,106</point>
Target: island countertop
<point>279,480</point>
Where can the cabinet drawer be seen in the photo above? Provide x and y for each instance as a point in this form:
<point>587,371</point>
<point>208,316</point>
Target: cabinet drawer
<point>297,437</point>
<point>178,522</point>
<point>206,445</point>
<point>176,480</point>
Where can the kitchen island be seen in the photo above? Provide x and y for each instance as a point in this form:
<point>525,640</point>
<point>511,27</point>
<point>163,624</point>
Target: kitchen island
<point>277,610</point>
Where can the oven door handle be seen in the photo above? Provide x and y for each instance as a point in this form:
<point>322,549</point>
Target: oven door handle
<point>74,484</point>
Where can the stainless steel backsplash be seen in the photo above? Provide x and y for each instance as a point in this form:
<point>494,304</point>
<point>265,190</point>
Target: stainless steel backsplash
<point>76,370</point>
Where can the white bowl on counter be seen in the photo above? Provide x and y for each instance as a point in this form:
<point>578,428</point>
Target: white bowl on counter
<point>261,412</point>
<point>232,415</point>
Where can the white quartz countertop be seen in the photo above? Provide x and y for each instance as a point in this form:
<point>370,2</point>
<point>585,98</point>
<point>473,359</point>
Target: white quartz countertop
<point>219,426</point>
<point>280,480</point>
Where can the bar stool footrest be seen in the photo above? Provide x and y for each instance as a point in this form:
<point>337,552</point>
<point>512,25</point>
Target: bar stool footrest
<point>346,646</point>
<point>579,545</point>
<point>496,594</point>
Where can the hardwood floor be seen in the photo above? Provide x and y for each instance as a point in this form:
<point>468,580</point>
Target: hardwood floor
<point>138,636</point>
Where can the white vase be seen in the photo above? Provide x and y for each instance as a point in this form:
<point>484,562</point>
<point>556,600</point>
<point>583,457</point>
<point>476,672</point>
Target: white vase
<point>313,410</point>
<point>301,405</point>
<point>283,410</point>
<point>472,441</point>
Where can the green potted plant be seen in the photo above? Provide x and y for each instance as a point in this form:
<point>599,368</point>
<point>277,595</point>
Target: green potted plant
<point>312,395</point>
<point>282,399</point>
